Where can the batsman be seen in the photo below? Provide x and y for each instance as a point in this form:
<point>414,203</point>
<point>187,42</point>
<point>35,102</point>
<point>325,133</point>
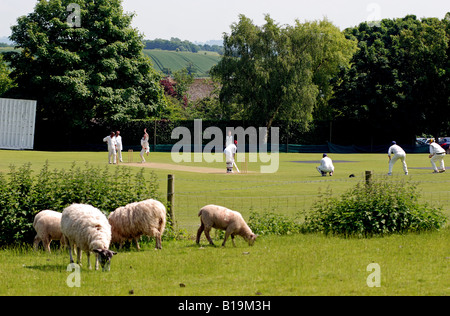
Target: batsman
<point>230,153</point>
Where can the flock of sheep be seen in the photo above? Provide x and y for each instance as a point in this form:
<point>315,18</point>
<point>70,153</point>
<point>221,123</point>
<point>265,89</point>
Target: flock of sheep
<point>87,228</point>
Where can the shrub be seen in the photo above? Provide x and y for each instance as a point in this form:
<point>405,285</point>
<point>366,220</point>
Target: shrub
<point>23,196</point>
<point>380,208</point>
<point>268,223</point>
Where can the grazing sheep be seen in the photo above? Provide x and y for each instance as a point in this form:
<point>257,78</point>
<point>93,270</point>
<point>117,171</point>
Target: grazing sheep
<point>87,228</point>
<point>136,219</point>
<point>48,227</point>
<point>219,217</point>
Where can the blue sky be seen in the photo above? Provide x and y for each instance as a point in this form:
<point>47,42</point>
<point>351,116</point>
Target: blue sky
<point>202,20</point>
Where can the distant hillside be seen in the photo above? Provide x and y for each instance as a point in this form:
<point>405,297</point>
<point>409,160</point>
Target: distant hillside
<point>169,61</point>
<point>175,44</point>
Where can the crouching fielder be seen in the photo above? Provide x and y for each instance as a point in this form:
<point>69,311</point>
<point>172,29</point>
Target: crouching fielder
<point>397,153</point>
<point>219,217</point>
<point>326,165</point>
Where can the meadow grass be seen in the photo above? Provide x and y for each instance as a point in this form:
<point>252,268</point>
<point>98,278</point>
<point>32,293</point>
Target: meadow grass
<point>311,264</point>
<point>302,264</point>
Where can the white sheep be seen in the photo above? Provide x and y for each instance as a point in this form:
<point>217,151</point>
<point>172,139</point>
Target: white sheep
<point>219,217</point>
<point>136,219</point>
<point>47,224</point>
<point>88,228</point>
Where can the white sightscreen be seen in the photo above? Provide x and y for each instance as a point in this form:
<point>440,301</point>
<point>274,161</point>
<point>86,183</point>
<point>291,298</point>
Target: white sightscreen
<point>17,120</point>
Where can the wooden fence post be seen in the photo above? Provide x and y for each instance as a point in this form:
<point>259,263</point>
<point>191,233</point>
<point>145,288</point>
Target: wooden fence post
<point>369,175</point>
<point>171,196</point>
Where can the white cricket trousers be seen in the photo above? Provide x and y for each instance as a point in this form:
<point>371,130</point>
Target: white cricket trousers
<point>112,153</point>
<point>438,158</point>
<point>394,159</point>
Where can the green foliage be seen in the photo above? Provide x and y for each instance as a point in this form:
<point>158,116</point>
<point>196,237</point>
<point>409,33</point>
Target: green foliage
<point>6,82</point>
<point>380,208</point>
<point>400,73</point>
<point>22,196</point>
<point>78,74</point>
<point>268,223</point>
<point>279,72</point>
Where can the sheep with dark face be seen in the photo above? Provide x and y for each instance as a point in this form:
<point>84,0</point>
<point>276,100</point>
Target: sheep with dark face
<point>219,217</point>
<point>88,228</point>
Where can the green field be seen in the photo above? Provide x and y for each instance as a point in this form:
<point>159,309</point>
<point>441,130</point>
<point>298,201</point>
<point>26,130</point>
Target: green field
<point>201,61</point>
<point>300,264</point>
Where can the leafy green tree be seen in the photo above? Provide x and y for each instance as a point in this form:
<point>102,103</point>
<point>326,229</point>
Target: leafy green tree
<point>6,82</point>
<point>398,85</point>
<point>280,72</point>
<point>83,66</point>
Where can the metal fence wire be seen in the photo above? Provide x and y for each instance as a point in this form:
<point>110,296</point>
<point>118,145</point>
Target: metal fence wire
<point>228,193</point>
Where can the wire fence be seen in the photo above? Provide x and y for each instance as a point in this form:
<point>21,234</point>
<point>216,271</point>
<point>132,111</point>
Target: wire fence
<point>259,196</point>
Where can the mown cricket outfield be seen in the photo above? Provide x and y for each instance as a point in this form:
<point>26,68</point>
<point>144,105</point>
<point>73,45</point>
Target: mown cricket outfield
<point>290,264</point>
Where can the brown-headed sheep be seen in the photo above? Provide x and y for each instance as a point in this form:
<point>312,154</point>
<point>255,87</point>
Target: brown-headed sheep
<point>219,217</point>
<point>88,228</point>
<point>136,219</point>
<point>47,224</point>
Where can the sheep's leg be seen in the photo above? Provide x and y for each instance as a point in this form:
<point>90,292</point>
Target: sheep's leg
<point>207,230</point>
<point>199,232</point>
<point>155,233</point>
<point>136,241</point>
<point>79,256</point>
<point>46,243</point>
<point>96,260</point>
<point>226,237</point>
<point>36,242</point>
<point>88,255</point>
<point>158,241</point>
<point>232,239</point>
<point>70,250</point>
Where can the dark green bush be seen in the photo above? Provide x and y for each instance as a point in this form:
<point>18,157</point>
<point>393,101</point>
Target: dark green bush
<point>382,207</point>
<point>22,196</point>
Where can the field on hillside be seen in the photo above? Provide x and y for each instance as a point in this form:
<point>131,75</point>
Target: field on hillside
<point>299,264</point>
<point>201,61</point>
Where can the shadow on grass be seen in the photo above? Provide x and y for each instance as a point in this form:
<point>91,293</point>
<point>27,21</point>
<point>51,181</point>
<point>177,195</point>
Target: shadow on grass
<point>47,267</point>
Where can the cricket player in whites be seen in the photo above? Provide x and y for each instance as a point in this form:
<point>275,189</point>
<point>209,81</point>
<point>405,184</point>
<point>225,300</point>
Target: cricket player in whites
<point>437,154</point>
<point>111,141</point>
<point>230,152</point>
<point>326,165</point>
<point>397,153</point>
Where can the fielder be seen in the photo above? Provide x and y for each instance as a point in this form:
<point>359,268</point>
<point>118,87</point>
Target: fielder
<point>437,154</point>
<point>397,153</point>
<point>230,152</point>
<point>111,141</point>
<point>326,165</point>
<point>119,145</point>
